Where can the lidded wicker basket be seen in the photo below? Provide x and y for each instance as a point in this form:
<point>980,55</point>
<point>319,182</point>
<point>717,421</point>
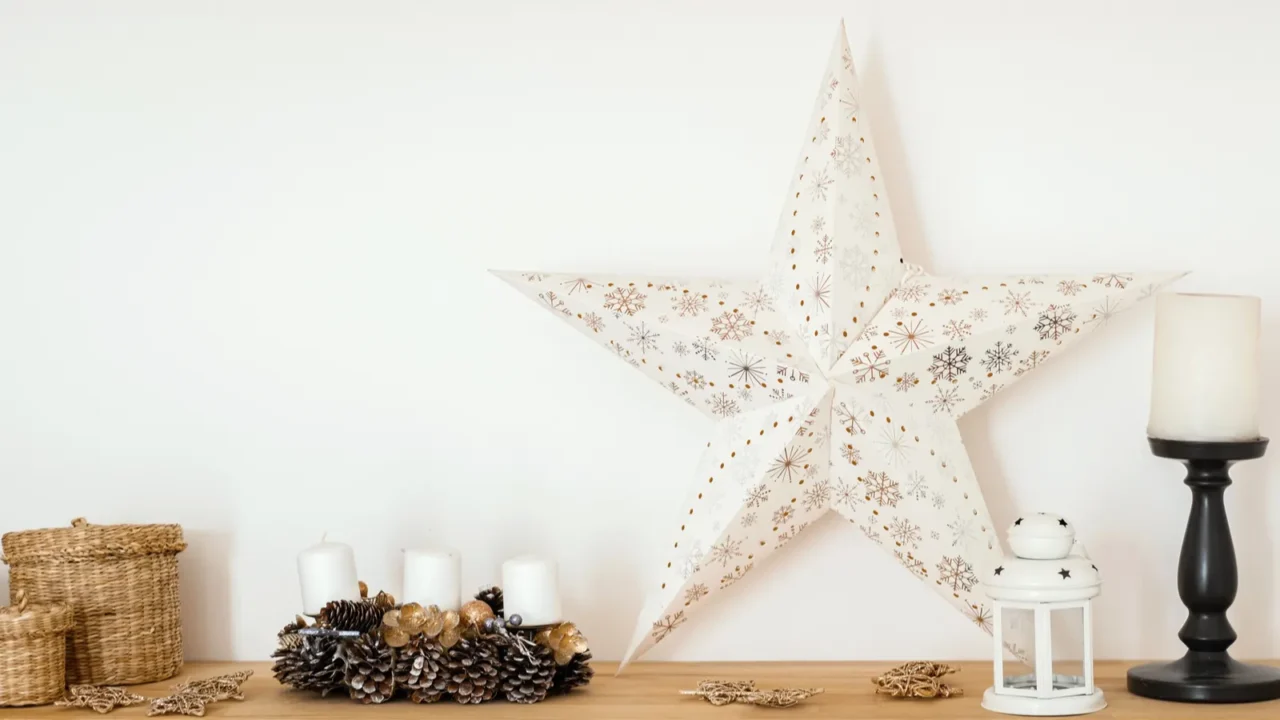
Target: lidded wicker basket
<point>33,652</point>
<point>121,582</point>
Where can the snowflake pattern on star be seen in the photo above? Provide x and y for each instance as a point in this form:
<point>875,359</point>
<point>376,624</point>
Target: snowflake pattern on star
<point>999,357</point>
<point>1017,303</point>
<point>882,489</point>
<point>624,301</point>
<point>946,399</point>
<point>822,251</point>
<point>688,304</point>
<point>667,625</point>
<point>956,329</point>
<point>909,336</point>
<point>817,496</point>
<point>644,338</point>
<point>904,533</point>
<point>723,405</point>
<point>731,326</point>
<point>847,154</point>
<point>725,551</point>
<point>1118,281</point>
<point>957,574</point>
<point>1055,322</point>
<point>757,301</point>
<point>870,366</point>
<point>950,364</point>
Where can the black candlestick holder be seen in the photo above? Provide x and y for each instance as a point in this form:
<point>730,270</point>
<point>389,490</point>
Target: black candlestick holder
<point>1207,583</point>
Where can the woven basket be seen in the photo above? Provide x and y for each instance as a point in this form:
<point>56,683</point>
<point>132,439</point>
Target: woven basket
<point>33,652</point>
<point>121,582</point>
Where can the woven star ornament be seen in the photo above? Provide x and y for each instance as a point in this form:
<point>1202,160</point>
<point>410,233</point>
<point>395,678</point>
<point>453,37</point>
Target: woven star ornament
<point>835,381</point>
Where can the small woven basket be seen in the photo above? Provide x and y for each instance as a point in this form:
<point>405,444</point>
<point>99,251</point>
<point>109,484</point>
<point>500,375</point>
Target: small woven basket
<point>121,582</point>
<point>33,652</point>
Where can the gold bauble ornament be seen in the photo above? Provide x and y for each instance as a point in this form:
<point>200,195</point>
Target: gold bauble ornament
<point>474,615</point>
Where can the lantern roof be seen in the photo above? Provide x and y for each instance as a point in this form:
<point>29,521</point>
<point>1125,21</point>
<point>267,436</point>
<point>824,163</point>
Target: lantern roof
<point>1047,564</point>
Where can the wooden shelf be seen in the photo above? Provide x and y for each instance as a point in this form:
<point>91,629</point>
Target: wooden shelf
<point>649,690</point>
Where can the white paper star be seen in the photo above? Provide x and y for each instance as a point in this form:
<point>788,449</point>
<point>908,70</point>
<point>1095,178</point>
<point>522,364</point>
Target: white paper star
<point>837,380</point>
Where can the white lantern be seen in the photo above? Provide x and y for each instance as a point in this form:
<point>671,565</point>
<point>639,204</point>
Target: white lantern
<point>1045,592</point>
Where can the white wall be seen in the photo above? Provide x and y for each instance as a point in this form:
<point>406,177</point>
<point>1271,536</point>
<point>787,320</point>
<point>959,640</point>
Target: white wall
<point>242,281</point>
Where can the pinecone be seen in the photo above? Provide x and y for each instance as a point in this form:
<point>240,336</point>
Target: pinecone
<point>359,615</point>
<point>526,678</point>
<point>369,676</point>
<point>575,673</point>
<point>314,664</point>
<point>421,666</point>
<point>493,598</point>
<point>288,636</point>
<point>474,670</point>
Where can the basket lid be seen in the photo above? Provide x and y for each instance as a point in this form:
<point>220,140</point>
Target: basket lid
<point>83,541</point>
<point>22,620</point>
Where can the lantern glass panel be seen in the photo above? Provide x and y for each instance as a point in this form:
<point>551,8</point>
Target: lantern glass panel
<point>1067,628</point>
<point>1019,669</point>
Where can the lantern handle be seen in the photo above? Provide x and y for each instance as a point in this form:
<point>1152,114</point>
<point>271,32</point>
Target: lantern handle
<point>1077,548</point>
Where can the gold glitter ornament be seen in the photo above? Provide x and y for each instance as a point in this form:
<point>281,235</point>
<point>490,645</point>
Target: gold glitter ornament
<point>474,614</point>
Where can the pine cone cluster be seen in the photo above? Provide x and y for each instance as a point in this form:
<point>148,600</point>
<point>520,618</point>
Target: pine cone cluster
<point>288,636</point>
<point>528,670</point>
<point>421,668</point>
<point>470,656</point>
<point>573,674</point>
<point>310,663</point>
<point>493,598</point>
<point>358,615</point>
<point>369,676</point>
<point>474,670</point>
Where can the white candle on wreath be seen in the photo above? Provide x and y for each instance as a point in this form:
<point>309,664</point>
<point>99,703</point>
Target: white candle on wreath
<point>433,576</point>
<point>327,571</point>
<point>531,589</point>
<point>1207,369</point>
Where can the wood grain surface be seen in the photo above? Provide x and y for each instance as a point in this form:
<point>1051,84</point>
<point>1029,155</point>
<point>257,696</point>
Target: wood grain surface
<point>650,690</point>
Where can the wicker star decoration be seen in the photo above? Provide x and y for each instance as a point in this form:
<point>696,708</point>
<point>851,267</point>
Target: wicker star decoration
<point>99,699</point>
<point>835,381</point>
<point>191,697</point>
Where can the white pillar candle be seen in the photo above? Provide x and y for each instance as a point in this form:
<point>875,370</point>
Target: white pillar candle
<point>433,577</point>
<point>531,589</point>
<point>327,572</point>
<point>1205,381</point>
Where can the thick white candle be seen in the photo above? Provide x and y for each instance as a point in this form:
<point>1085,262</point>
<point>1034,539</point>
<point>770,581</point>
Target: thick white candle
<point>433,577</point>
<point>327,572</point>
<point>531,589</point>
<point>1205,381</point>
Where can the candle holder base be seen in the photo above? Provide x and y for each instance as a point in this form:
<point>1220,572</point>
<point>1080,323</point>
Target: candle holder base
<point>1200,677</point>
<point>1207,583</point>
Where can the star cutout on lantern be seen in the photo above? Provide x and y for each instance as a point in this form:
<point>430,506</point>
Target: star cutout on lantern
<point>1065,573</point>
<point>1062,522</point>
<point>999,570</point>
<point>835,380</point>
<point>1018,521</point>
